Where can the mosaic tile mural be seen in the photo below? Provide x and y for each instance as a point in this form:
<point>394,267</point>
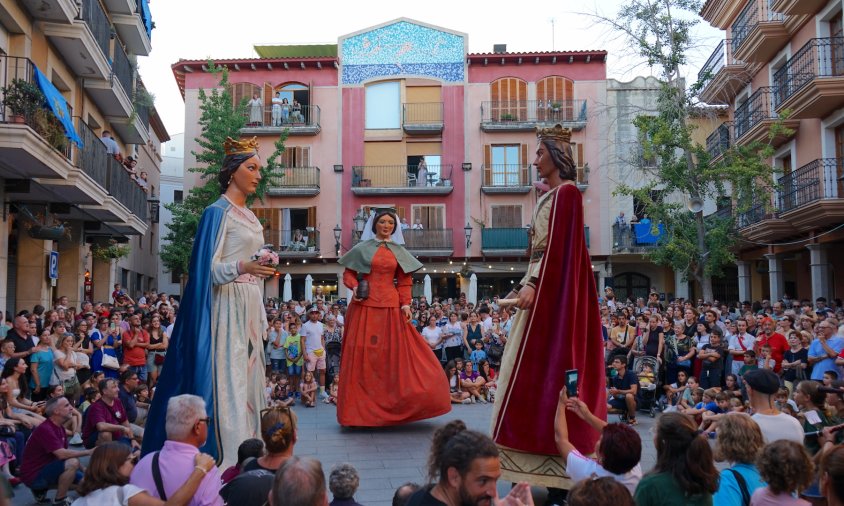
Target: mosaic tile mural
<point>403,48</point>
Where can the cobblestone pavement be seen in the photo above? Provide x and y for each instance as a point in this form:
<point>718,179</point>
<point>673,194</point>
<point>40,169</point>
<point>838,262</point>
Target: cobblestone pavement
<point>387,457</point>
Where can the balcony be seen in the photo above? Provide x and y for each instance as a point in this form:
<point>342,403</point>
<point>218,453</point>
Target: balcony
<point>719,141</point>
<point>526,115</point>
<point>401,180</point>
<point>760,222</point>
<point>434,242</point>
<point>53,11</point>
<point>305,121</point>
<point>504,241</point>
<point>725,76</point>
<point>811,83</point>
<point>114,95</point>
<point>33,145</point>
<point>294,243</point>
<point>759,33</point>
<point>422,119</point>
<point>754,118</point>
<point>506,178</point>
<point>133,27</point>
<point>636,237</point>
<point>84,43</point>
<point>813,195</point>
<point>795,7</point>
<point>295,182</point>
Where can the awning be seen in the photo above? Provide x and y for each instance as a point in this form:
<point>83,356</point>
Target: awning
<point>57,104</point>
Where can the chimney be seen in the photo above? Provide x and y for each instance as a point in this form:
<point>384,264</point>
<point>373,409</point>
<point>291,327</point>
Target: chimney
<point>499,48</point>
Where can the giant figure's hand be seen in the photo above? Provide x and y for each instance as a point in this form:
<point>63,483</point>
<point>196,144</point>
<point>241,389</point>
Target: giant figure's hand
<point>254,268</point>
<point>526,295</point>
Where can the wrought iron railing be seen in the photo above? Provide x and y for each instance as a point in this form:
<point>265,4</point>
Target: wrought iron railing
<point>751,216</point>
<point>400,176</point>
<point>428,239</point>
<point>295,177</point>
<point>506,175</point>
<point>123,187</point>
<point>533,111</point>
<point>121,69</point>
<point>18,76</point>
<point>284,117</point>
<point>94,16</point>
<point>817,58</point>
<point>635,236</point>
<point>422,114</point>
<point>721,57</point>
<point>724,213</point>
<point>757,108</point>
<point>293,241</point>
<point>93,158</point>
<point>504,239</point>
<point>720,140</point>
<point>816,180</point>
<point>755,12</point>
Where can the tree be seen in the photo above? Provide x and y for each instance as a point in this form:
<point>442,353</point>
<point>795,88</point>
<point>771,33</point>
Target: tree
<point>220,118</point>
<point>659,30</point>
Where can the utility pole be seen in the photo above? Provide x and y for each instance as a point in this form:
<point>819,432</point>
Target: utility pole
<point>553,47</point>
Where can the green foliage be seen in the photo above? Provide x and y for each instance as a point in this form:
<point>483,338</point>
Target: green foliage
<point>697,246</point>
<point>113,251</point>
<point>220,118</point>
<point>23,98</point>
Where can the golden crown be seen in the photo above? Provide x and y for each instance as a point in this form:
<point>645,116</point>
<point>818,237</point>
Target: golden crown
<point>235,147</point>
<point>556,133</point>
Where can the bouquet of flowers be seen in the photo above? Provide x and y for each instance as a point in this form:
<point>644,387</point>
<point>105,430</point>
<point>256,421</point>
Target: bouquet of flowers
<point>266,256</point>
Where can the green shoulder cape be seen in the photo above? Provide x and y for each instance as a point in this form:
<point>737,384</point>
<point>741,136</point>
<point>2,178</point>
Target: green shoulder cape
<point>360,257</point>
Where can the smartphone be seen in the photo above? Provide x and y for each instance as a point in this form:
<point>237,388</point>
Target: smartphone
<point>571,382</point>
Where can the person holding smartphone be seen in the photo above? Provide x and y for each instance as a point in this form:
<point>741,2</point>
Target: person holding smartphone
<point>105,339</point>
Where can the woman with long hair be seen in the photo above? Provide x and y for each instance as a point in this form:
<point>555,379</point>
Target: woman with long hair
<point>453,333</point>
<point>684,474</point>
<point>739,443</point>
<point>389,376</point>
<point>832,476</point>
<point>24,410</point>
<point>473,332</point>
<point>158,342</point>
<point>65,360</point>
<point>457,395</point>
<point>83,349</point>
<point>812,414</point>
<point>489,376</point>
<point>105,338</point>
<point>106,480</point>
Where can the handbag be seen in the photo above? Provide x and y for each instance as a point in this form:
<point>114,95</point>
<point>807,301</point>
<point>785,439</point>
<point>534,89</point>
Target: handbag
<point>495,352</point>
<point>158,359</point>
<point>110,362</point>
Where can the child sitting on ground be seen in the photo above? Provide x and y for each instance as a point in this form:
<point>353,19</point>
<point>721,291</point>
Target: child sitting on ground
<point>282,393</point>
<point>687,400</point>
<point>308,388</point>
<point>788,470</point>
<point>715,412</point>
<point>333,389</point>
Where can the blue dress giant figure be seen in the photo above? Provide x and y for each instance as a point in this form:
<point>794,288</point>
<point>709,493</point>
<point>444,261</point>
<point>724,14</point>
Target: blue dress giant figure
<point>216,350</point>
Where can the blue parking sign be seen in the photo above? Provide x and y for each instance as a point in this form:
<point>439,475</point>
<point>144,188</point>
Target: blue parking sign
<point>53,268</point>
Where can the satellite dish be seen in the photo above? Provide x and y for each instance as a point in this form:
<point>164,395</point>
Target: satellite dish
<point>695,205</point>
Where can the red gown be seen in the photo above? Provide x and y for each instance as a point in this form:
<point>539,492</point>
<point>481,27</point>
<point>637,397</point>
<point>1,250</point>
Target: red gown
<point>388,375</point>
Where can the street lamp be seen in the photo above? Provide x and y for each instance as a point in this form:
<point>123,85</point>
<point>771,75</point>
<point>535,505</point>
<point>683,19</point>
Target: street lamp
<point>337,233</point>
<point>468,230</point>
<point>360,222</point>
<point>152,202</point>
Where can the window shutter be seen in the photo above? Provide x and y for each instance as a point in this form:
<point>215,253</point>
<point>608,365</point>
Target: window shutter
<point>312,217</point>
<point>268,102</point>
<point>580,155</point>
<point>524,161</point>
<point>487,165</point>
<point>305,161</point>
<point>439,213</point>
<point>401,212</point>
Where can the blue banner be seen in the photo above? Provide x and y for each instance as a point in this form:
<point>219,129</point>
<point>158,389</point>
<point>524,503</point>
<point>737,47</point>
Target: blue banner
<point>146,17</point>
<point>57,104</point>
<point>648,233</point>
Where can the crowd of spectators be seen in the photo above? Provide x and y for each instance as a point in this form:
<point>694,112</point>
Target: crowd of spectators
<point>129,163</point>
<point>755,386</point>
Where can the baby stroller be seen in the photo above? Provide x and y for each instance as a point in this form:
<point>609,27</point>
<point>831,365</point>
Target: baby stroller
<point>649,387</point>
<point>332,360</point>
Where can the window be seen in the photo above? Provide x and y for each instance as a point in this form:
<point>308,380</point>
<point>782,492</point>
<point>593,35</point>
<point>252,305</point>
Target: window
<point>296,156</point>
<point>175,278</point>
<point>509,99</point>
<point>178,196</point>
<point>383,105</point>
<point>506,165</point>
<point>506,216</point>
<point>554,95</point>
<point>431,217</point>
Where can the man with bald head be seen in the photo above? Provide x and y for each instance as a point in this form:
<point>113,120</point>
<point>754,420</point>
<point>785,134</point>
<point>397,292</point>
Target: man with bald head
<point>21,336</point>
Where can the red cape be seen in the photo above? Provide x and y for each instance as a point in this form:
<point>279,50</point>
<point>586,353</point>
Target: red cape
<point>563,332</point>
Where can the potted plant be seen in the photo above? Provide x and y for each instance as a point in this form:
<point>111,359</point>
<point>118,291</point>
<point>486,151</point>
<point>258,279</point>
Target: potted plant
<point>312,242</point>
<point>48,127</point>
<point>113,251</point>
<point>22,98</point>
<point>508,117</point>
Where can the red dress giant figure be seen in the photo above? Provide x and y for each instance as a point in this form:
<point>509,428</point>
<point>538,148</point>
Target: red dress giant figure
<point>388,375</point>
<point>557,327</point>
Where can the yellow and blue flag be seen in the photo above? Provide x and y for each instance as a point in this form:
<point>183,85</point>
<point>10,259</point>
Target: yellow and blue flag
<point>57,104</point>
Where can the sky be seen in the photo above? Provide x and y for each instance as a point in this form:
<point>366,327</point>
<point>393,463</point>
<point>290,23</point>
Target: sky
<point>193,29</point>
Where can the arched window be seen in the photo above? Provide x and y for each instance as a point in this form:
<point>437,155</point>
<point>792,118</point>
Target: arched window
<point>509,99</point>
<point>555,94</point>
<point>632,285</point>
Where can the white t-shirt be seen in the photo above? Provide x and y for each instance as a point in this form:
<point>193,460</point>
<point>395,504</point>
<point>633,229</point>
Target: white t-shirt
<point>113,495</point>
<point>432,335</point>
<point>779,426</point>
<point>63,374</point>
<point>456,338</point>
<point>581,468</point>
<point>735,345</point>
<point>312,332</point>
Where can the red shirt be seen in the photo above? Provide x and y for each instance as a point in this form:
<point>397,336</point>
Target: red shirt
<point>102,412</point>
<point>38,452</point>
<point>135,355</point>
<point>778,345</point>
